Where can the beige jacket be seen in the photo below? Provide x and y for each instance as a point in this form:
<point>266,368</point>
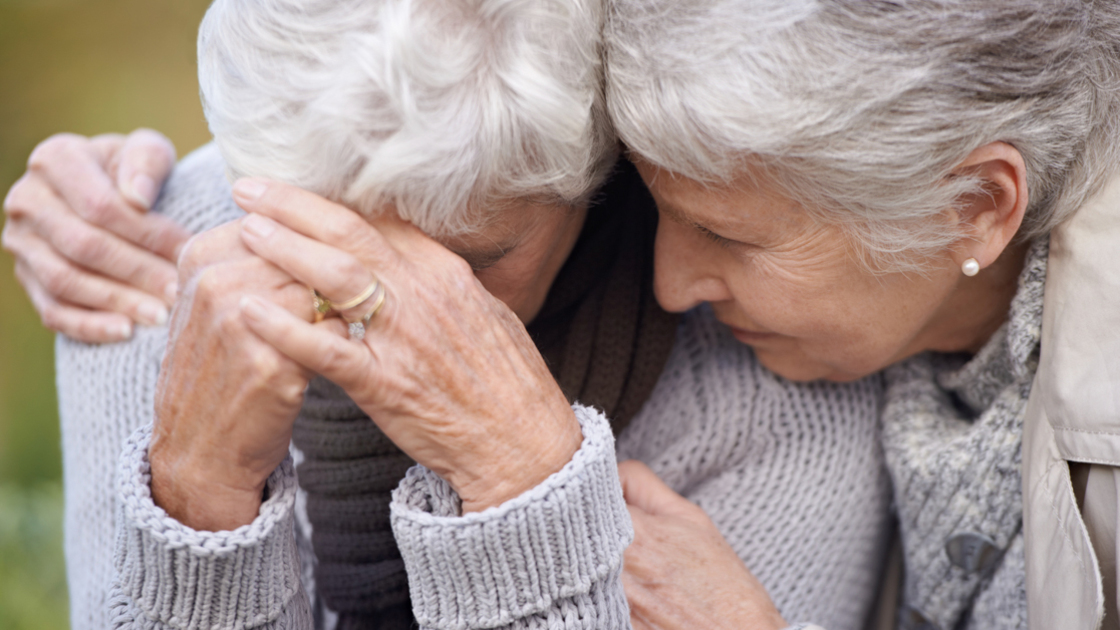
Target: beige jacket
<point>1073,417</point>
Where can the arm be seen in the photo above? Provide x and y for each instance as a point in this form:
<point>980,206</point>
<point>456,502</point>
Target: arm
<point>680,572</point>
<point>107,391</point>
<point>197,544</point>
<point>789,476</point>
<point>507,523</point>
<point>550,557</point>
<point>247,577</point>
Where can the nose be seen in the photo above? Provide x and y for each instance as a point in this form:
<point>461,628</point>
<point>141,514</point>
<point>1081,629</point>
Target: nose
<point>686,268</point>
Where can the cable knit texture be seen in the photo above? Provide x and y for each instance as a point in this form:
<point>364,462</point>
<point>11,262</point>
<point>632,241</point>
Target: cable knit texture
<point>573,529</point>
<point>792,474</point>
<point>193,580</point>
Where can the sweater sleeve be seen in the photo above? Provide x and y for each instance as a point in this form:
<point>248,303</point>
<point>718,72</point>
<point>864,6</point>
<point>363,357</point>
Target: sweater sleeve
<point>550,558</point>
<point>106,391</point>
<point>171,576</point>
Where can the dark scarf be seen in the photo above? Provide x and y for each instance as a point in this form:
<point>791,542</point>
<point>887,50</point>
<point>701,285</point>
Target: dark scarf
<point>605,340</point>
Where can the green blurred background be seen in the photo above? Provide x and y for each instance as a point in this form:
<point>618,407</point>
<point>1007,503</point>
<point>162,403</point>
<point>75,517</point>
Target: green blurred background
<point>88,67</point>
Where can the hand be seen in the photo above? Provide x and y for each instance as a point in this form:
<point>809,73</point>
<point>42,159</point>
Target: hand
<point>87,252</point>
<point>680,573</point>
<point>447,371</point>
<point>226,401</point>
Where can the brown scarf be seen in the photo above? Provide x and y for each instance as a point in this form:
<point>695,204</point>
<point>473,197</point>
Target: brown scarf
<point>605,340</point>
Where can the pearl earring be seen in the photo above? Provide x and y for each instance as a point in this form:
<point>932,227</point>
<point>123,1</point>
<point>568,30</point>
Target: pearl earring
<point>970,267</point>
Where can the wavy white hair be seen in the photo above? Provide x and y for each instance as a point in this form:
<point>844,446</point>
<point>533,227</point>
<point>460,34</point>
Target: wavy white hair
<point>443,109</point>
<point>860,109</point>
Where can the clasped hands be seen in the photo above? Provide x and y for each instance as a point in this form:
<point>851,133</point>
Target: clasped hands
<point>447,371</point>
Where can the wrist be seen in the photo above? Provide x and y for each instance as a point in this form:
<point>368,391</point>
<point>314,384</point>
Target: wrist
<point>200,496</point>
<point>518,470</point>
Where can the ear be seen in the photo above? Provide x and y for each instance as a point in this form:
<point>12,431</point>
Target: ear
<point>994,215</point>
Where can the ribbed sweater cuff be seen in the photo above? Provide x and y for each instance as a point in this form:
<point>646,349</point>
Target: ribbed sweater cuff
<point>200,580</point>
<point>489,568</point>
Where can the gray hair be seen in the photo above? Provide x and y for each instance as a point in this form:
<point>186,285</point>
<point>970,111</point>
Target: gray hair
<point>444,109</point>
<point>861,109</point>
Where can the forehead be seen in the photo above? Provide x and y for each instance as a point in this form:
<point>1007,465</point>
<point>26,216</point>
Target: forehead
<point>507,228</point>
<point>748,198</point>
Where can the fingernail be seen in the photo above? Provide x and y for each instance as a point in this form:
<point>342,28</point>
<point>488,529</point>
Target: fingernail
<point>152,314</point>
<point>142,191</point>
<point>249,189</point>
<point>258,226</point>
<point>171,292</point>
<point>120,332</point>
<point>253,307</point>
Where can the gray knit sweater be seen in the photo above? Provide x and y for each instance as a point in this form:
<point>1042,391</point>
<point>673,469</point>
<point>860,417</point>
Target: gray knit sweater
<point>792,474</point>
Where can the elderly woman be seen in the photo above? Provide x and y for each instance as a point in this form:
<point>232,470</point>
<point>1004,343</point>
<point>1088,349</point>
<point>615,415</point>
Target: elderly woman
<point>857,186</point>
<point>484,127</point>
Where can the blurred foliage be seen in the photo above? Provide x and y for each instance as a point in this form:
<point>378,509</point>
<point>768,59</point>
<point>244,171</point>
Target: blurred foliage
<point>88,67</point>
<point>32,577</point>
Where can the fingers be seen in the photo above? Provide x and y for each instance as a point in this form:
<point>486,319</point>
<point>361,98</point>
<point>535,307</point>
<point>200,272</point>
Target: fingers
<point>69,284</point>
<point>218,244</point>
<point>101,251</point>
<point>333,272</point>
<point>76,323</point>
<point>72,167</point>
<point>145,161</point>
<point>322,348</point>
<point>643,489</point>
<point>312,216</point>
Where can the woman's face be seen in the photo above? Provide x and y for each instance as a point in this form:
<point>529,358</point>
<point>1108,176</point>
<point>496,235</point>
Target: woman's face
<point>517,256</point>
<point>789,286</point>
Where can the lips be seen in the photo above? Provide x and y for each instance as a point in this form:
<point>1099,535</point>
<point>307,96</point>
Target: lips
<point>751,337</point>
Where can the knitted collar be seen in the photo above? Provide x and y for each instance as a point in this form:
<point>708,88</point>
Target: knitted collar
<point>952,433</point>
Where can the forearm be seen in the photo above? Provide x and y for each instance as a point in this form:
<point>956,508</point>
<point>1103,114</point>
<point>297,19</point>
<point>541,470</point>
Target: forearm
<point>170,576</point>
<point>551,557</point>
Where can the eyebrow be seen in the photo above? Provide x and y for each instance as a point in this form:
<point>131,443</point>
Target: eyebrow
<point>678,216</point>
<point>481,260</point>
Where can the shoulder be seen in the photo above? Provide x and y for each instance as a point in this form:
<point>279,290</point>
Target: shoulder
<point>197,195</point>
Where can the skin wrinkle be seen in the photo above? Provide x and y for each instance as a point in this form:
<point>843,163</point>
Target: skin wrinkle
<point>793,287</point>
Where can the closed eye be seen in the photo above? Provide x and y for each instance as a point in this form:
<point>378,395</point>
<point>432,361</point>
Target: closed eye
<point>722,241</point>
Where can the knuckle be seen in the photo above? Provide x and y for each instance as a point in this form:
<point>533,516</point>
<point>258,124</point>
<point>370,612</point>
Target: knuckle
<point>458,268</point>
<point>209,284</point>
<point>9,240</point>
<point>230,326</point>
<point>333,361</point>
<point>16,201</point>
<point>189,256</point>
<point>351,267</point>
<point>86,246</point>
<point>99,206</point>
<point>56,280</point>
<point>57,147</point>
<point>155,140</point>
<point>51,317</point>
<point>290,392</point>
<point>265,364</point>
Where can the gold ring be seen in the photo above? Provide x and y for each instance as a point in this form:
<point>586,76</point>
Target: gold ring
<point>357,299</point>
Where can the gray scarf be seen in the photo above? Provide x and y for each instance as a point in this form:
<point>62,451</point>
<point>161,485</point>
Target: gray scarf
<point>952,436</point>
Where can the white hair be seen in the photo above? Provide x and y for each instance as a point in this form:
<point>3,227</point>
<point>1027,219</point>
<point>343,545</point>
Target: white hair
<point>861,109</point>
<point>442,109</point>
